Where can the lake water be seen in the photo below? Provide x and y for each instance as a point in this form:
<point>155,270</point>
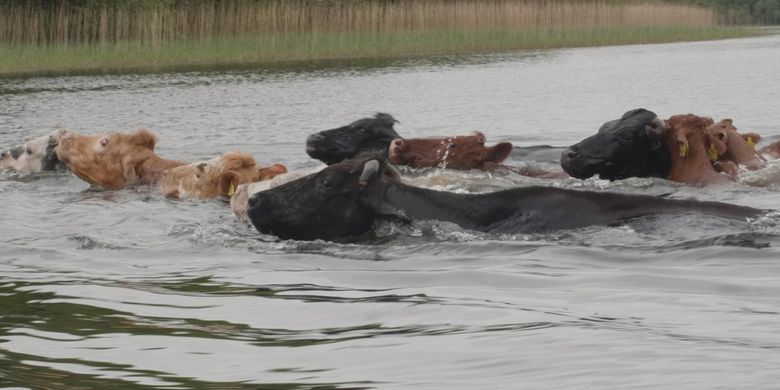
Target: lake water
<point>126,289</point>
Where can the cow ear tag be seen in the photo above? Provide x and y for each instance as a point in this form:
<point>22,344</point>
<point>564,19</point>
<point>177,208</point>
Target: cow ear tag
<point>713,152</point>
<point>751,143</point>
<point>232,189</point>
<point>683,150</point>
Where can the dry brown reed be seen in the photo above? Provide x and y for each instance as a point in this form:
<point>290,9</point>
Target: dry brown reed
<point>64,25</point>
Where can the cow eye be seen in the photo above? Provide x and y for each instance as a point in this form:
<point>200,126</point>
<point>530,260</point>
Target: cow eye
<point>325,183</point>
<point>29,151</point>
<point>625,140</point>
<point>103,141</point>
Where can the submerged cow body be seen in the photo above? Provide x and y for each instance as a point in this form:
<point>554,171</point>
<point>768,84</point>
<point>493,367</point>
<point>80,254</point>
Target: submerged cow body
<point>114,160</point>
<point>346,199</point>
<point>35,155</point>
<point>631,146</point>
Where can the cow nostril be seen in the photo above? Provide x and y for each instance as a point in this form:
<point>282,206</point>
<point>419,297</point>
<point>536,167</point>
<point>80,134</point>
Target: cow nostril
<point>570,154</point>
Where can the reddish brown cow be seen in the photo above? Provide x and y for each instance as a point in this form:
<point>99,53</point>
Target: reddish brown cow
<point>740,147</point>
<point>694,144</point>
<point>771,150</point>
<point>216,177</point>
<point>458,152</point>
<point>114,160</point>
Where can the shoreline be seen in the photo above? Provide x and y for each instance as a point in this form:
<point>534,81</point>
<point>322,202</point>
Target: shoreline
<point>302,50</point>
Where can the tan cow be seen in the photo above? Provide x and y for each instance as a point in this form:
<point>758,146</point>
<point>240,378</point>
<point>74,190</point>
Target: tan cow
<point>114,160</point>
<point>741,148</point>
<point>216,177</point>
<point>694,144</point>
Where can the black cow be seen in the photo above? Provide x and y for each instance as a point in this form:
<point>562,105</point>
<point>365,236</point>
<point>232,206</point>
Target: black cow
<point>631,146</point>
<point>345,199</point>
<point>361,136</point>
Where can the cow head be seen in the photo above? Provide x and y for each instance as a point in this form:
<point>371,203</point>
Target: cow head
<point>627,147</point>
<point>34,155</point>
<point>367,134</point>
<point>458,152</point>
<point>108,161</point>
<point>741,147</point>
<point>216,177</point>
<point>339,201</point>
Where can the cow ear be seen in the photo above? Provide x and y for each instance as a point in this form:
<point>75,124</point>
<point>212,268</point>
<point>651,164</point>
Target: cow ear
<point>499,152</point>
<point>144,138</point>
<point>128,170</point>
<point>751,138</point>
<point>228,182</point>
<point>682,146</point>
<point>268,173</point>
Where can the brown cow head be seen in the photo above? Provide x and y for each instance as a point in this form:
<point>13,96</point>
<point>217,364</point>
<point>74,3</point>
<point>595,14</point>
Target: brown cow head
<point>458,152</point>
<point>694,144</point>
<point>216,177</point>
<point>108,161</point>
<point>741,147</point>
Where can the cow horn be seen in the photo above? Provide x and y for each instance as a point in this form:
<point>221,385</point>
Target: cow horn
<point>370,169</point>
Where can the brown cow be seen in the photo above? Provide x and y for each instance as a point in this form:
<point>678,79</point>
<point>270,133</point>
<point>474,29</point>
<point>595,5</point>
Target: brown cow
<point>694,144</point>
<point>114,160</point>
<point>772,150</point>
<point>458,152</point>
<point>740,148</point>
<point>216,177</point>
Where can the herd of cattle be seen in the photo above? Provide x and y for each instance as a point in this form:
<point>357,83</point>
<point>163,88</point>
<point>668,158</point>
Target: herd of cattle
<point>360,184</point>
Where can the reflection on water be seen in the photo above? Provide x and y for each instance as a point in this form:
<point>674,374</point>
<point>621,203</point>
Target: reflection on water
<point>127,289</point>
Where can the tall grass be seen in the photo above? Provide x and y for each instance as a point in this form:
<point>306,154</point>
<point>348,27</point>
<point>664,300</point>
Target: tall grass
<point>64,24</point>
<point>66,38</point>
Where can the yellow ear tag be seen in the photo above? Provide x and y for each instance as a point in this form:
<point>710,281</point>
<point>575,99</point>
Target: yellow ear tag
<point>683,150</point>
<point>751,143</point>
<point>713,152</point>
<point>231,189</point>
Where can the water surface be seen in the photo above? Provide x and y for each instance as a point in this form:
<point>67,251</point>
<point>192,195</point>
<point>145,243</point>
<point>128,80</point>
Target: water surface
<point>125,289</point>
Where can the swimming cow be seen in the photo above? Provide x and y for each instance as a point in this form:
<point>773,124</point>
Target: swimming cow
<point>35,155</point>
<point>346,199</point>
<point>114,160</point>
<point>631,146</point>
<point>363,135</point>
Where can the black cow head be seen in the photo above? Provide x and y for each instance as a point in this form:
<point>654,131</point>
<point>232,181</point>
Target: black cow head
<point>341,200</point>
<point>631,146</point>
<point>367,134</point>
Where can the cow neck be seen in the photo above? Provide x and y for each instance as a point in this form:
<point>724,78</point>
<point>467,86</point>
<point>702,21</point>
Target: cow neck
<point>150,170</point>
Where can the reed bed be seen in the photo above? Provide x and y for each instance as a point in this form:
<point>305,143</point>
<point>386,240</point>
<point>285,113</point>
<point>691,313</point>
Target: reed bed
<point>63,37</point>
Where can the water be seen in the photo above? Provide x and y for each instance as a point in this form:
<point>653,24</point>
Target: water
<point>125,289</point>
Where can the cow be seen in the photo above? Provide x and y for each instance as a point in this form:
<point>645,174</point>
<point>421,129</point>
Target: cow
<point>458,152</point>
<point>372,134</point>
<point>697,142</point>
<point>631,146</point>
<point>35,155</point>
<point>346,199</point>
<point>772,150</point>
<point>740,148</point>
<point>114,160</point>
<point>216,177</point>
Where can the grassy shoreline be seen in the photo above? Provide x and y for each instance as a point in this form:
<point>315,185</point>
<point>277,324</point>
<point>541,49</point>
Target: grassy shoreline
<point>29,60</point>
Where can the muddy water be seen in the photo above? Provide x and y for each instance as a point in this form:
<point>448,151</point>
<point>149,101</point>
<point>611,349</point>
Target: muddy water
<point>125,289</point>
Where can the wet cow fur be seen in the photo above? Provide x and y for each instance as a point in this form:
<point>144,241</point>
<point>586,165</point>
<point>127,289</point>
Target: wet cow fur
<point>458,152</point>
<point>114,160</point>
<point>346,199</point>
<point>216,177</point>
<point>35,155</point>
